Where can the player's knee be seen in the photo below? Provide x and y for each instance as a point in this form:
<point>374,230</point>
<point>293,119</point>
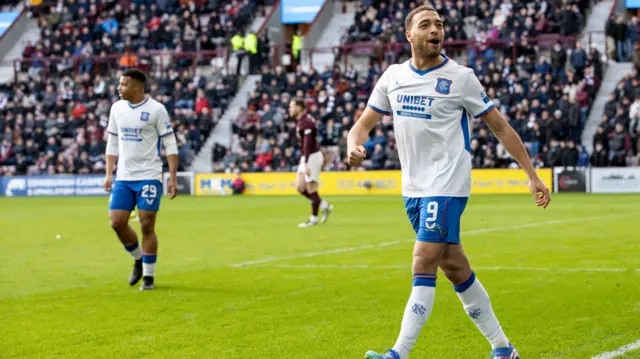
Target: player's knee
<point>424,263</point>
<point>457,270</point>
<point>118,224</point>
<point>312,187</point>
<point>301,189</point>
<point>146,226</point>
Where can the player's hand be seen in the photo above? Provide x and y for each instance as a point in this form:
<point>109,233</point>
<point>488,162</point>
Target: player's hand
<point>356,156</point>
<point>172,190</point>
<point>108,183</point>
<point>540,192</point>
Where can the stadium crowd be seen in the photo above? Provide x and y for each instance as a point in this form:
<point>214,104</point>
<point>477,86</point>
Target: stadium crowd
<point>546,98</point>
<point>617,140</point>
<point>53,118</point>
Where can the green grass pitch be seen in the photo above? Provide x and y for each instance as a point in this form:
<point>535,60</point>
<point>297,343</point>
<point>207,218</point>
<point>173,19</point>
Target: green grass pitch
<point>564,281</point>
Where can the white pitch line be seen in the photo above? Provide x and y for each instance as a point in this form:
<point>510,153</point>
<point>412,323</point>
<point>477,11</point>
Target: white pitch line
<point>618,352</point>
<point>386,244</point>
<point>494,268</point>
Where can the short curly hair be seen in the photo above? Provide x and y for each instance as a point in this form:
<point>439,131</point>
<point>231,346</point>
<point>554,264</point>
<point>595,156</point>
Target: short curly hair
<point>408,22</point>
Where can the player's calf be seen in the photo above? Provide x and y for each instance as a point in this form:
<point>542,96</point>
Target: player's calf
<point>150,249</point>
<point>129,239</point>
<point>425,264</point>
<point>474,297</point>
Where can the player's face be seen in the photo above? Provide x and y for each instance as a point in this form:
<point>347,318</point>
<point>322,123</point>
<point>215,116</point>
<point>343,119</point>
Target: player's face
<point>426,34</point>
<point>126,88</point>
<point>294,110</point>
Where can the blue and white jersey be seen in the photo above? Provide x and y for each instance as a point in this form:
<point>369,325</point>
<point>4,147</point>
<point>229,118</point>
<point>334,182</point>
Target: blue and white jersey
<point>139,129</point>
<point>431,111</point>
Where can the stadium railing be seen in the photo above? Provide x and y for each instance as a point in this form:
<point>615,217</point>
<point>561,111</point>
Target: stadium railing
<point>345,54</point>
<point>160,62</point>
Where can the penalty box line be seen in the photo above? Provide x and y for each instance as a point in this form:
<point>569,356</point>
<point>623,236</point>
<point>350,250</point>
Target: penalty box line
<point>387,244</point>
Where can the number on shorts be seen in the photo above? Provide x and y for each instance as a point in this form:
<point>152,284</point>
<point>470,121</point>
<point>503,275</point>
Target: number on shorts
<point>432,211</point>
<point>149,191</point>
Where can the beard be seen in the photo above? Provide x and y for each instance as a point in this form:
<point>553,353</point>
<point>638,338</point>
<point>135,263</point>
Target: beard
<point>423,50</point>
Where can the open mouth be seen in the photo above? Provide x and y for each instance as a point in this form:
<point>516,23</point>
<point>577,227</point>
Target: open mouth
<point>434,41</point>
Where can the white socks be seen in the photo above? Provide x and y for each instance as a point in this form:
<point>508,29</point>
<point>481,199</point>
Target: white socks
<point>134,250</point>
<point>416,312</point>
<point>148,265</point>
<point>477,304</point>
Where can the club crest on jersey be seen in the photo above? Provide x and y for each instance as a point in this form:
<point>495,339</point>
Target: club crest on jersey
<point>443,86</point>
<point>144,116</point>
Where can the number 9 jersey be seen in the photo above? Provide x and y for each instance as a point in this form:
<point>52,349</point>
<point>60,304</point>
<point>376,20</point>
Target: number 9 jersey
<point>430,110</point>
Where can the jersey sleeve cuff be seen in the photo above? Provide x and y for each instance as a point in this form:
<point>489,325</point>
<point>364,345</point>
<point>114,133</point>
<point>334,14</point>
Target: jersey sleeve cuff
<point>167,134</point>
<point>379,110</point>
<point>485,111</point>
<point>112,133</point>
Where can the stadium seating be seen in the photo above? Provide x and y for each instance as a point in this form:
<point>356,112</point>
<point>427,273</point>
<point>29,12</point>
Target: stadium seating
<point>544,93</point>
<point>53,120</point>
<point>617,140</point>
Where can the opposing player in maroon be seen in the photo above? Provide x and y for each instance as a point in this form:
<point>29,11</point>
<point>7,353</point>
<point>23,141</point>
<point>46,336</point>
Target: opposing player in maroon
<point>311,160</point>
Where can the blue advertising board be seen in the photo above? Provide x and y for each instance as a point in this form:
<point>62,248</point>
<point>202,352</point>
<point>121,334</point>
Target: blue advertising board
<point>633,4</point>
<point>88,185</point>
<point>6,19</point>
<point>300,11</point>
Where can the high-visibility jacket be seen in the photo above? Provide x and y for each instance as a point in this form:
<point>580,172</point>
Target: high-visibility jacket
<point>296,45</point>
<point>251,43</point>
<point>237,42</point>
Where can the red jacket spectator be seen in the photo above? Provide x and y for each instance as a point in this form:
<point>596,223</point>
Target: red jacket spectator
<point>201,102</point>
<point>79,110</point>
<point>264,159</point>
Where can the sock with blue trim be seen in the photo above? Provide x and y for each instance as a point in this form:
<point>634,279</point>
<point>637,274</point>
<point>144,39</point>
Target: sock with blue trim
<point>148,265</point>
<point>477,304</point>
<point>134,250</point>
<point>416,312</point>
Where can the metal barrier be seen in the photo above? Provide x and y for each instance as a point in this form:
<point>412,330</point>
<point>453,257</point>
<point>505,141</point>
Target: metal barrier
<point>160,62</point>
<point>154,62</point>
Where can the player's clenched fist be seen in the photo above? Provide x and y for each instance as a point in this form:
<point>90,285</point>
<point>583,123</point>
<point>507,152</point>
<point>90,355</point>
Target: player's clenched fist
<point>356,156</point>
<point>108,182</point>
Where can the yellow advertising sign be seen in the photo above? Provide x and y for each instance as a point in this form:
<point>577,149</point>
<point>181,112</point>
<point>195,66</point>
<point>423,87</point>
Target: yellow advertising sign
<point>505,181</point>
<point>358,183</point>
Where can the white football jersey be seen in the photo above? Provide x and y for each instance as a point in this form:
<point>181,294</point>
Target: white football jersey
<point>431,110</point>
<point>139,129</point>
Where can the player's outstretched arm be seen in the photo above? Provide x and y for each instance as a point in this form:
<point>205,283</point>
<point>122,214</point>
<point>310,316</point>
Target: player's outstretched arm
<point>359,134</point>
<point>513,144</point>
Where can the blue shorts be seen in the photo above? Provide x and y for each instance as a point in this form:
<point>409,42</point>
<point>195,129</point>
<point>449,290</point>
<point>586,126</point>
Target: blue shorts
<point>436,219</point>
<point>125,195</point>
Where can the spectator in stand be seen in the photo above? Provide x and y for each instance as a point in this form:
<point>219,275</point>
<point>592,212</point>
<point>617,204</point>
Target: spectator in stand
<point>621,36</point>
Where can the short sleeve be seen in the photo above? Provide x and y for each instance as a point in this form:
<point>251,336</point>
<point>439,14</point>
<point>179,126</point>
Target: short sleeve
<point>474,99</point>
<point>379,99</point>
<point>163,124</point>
<point>112,126</point>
